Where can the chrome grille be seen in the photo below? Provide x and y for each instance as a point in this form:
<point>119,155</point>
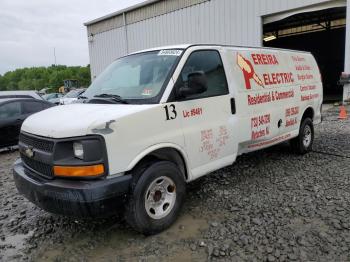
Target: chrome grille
<point>34,163</point>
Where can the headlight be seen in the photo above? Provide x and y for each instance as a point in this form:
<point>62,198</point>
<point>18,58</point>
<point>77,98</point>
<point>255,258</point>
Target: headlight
<point>78,150</point>
<point>80,157</point>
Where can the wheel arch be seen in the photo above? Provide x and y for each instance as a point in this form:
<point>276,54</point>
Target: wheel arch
<point>309,112</point>
<point>169,152</point>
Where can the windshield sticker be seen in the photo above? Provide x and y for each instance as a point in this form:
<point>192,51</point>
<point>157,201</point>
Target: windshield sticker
<point>147,92</point>
<point>170,52</point>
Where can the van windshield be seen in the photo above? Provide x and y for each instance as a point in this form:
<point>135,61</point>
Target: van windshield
<point>138,78</point>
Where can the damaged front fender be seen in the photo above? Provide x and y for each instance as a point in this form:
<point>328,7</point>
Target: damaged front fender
<point>106,130</point>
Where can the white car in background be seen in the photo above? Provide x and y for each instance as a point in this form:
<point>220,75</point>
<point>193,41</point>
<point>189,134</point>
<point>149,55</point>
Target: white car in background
<point>53,98</point>
<point>71,96</point>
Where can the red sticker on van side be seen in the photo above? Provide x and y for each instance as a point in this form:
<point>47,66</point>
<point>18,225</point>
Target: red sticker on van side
<point>248,72</point>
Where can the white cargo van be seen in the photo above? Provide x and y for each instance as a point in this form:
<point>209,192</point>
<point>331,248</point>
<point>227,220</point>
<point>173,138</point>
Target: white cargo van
<point>158,119</point>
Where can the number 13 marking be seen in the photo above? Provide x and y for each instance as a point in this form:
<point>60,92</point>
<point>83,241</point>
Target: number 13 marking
<point>170,112</point>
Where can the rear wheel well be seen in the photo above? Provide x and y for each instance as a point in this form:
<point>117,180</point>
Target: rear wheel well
<point>309,113</point>
<point>167,154</point>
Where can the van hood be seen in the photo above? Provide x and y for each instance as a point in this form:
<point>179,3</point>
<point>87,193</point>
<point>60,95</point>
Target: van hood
<point>77,119</point>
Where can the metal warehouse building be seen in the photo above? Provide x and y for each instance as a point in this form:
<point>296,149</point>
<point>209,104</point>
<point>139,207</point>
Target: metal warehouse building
<point>318,26</point>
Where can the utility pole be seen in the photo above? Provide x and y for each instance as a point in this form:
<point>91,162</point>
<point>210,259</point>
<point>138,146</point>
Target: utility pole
<point>54,55</point>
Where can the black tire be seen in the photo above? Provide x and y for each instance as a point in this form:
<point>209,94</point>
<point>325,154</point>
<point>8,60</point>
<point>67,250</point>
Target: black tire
<point>298,144</point>
<point>143,177</point>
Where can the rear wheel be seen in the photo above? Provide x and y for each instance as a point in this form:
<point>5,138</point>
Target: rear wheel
<point>157,197</point>
<point>302,144</point>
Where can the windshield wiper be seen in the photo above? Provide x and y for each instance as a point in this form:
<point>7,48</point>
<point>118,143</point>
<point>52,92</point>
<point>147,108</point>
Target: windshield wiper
<point>82,97</point>
<point>115,98</point>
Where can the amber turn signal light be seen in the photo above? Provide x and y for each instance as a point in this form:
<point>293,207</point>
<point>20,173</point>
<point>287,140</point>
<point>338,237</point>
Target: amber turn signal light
<point>79,171</point>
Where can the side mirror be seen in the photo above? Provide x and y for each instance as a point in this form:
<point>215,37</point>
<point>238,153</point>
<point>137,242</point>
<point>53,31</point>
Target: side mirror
<point>196,84</point>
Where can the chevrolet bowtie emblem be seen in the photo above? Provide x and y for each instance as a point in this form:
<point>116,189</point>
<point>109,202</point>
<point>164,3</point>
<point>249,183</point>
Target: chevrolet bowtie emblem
<point>29,152</point>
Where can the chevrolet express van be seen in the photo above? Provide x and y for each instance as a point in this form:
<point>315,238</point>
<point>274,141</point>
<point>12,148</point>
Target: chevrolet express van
<point>158,119</point>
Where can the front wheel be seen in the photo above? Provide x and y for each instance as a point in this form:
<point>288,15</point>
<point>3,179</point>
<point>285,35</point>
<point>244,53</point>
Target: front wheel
<point>302,144</point>
<point>156,198</point>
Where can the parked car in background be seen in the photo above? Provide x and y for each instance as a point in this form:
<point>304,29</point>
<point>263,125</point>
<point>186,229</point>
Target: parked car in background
<point>72,96</point>
<point>44,91</point>
<point>53,98</point>
<point>20,94</point>
<point>13,111</point>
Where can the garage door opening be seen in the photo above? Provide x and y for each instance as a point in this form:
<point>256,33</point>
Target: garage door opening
<point>320,32</point>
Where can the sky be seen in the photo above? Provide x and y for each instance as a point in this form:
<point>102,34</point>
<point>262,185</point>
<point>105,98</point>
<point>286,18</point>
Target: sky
<point>30,30</point>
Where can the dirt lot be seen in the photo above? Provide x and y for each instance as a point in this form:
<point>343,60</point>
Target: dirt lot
<point>271,205</point>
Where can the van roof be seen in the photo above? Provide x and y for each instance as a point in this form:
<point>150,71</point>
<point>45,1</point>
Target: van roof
<point>186,46</point>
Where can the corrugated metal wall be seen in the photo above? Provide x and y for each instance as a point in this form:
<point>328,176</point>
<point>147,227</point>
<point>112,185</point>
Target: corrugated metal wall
<point>105,48</point>
<point>159,8</point>
<point>236,22</point>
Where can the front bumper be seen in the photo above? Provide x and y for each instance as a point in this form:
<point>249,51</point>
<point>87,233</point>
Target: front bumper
<point>93,198</point>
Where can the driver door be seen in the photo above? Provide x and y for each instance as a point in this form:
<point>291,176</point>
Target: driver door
<point>207,118</point>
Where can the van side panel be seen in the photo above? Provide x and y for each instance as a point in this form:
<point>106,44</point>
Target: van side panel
<point>310,84</point>
<point>271,89</point>
<point>274,88</point>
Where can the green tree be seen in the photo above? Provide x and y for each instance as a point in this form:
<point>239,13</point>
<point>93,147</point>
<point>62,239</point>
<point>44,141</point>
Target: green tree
<point>37,78</point>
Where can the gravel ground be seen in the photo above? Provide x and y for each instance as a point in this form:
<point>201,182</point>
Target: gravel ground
<point>271,205</point>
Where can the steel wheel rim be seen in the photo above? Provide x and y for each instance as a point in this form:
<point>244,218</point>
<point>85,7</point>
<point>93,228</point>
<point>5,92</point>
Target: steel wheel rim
<point>160,197</point>
<point>307,136</point>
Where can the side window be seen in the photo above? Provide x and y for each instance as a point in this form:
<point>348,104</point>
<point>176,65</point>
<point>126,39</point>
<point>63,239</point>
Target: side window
<point>209,62</point>
<point>10,110</point>
<point>30,107</point>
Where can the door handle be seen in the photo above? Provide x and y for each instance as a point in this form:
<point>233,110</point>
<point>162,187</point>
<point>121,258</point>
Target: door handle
<point>233,106</point>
